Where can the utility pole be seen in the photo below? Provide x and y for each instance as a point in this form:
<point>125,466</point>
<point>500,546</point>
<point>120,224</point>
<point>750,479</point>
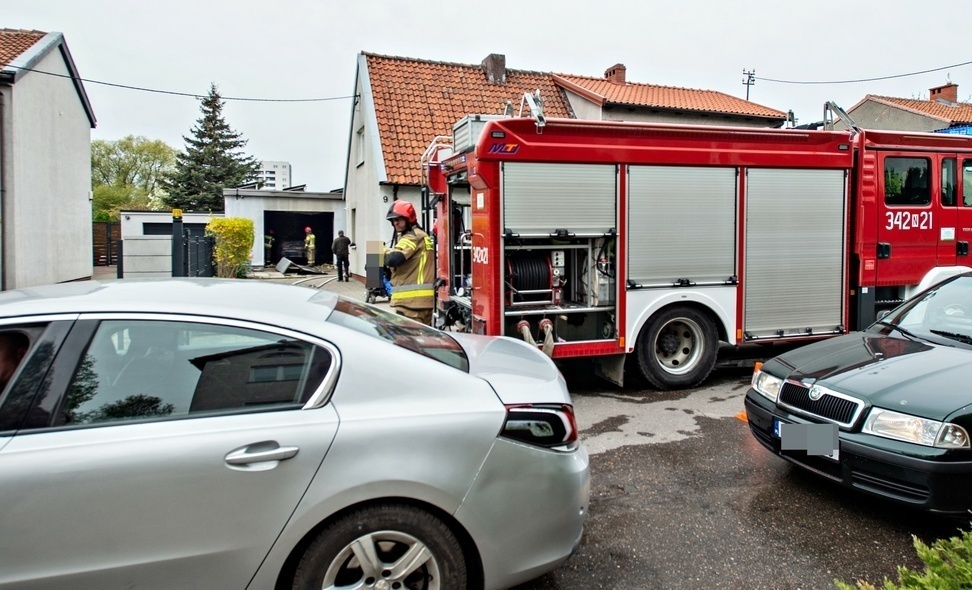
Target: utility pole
<point>749,80</point>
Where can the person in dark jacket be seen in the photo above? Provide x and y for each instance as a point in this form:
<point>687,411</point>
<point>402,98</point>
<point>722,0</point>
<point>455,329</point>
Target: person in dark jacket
<point>341,248</point>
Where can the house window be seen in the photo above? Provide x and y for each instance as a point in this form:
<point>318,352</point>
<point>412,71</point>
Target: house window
<point>359,137</point>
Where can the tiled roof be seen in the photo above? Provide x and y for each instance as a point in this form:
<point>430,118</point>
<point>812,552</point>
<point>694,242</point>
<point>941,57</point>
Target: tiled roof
<point>13,42</point>
<point>953,113</point>
<point>665,97</point>
<point>416,100</point>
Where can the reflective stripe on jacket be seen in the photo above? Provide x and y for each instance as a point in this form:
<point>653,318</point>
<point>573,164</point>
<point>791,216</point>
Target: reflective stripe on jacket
<point>412,280</point>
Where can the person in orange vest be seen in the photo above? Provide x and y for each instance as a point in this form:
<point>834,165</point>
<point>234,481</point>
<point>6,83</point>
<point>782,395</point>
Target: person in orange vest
<point>412,265</point>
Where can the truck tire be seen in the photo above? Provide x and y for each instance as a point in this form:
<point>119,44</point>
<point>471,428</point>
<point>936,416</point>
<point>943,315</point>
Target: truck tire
<point>677,348</point>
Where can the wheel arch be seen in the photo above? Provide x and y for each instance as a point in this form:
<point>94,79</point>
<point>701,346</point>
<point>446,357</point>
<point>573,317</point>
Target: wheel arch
<point>474,564</point>
<point>718,307</point>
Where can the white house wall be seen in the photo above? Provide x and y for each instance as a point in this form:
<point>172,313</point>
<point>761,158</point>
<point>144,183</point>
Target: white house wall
<point>47,208</point>
<point>583,108</point>
<point>366,198</point>
<point>645,115</point>
<point>875,115</point>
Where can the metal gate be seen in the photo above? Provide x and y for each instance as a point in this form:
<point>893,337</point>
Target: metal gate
<point>194,256</point>
<point>199,256</point>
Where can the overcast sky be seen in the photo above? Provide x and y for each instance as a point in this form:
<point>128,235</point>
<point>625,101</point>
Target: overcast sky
<point>308,48</point>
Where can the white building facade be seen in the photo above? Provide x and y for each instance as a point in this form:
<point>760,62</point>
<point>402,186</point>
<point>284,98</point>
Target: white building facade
<point>45,164</point>
<point>275,175</point>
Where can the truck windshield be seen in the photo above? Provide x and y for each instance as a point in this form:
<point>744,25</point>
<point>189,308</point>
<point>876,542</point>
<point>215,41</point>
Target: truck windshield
<point>402,332</point>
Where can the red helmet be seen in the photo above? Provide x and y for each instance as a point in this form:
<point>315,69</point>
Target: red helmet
<point>402,209</point>
<point>307,230</point>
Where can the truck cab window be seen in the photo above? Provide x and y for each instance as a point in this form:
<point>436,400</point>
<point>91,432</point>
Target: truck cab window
<point>967,183</point>
<point>948,182</point>
<point>906,181</point>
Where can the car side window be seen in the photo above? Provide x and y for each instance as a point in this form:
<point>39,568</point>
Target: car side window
<point>25,355</point>
<point>139,370</point>
<point>13,347</point>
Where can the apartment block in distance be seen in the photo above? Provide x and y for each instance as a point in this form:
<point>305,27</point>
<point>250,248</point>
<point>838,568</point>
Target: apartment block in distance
<point>274,175</point>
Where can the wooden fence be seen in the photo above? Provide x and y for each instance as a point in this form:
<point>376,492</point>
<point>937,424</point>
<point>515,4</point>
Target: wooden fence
<point>105,235</point>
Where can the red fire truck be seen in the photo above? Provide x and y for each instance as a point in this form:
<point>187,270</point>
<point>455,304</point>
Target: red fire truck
<point>615,239</point>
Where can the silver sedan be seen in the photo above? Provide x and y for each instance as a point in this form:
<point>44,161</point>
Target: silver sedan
<point>236,434</point>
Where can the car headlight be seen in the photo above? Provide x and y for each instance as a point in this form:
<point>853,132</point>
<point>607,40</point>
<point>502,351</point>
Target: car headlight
<point>913,429</point>
<point>766,384</point>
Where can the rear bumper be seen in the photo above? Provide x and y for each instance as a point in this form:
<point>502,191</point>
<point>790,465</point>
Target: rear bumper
<point>922,482</point>
<point>526,511</point>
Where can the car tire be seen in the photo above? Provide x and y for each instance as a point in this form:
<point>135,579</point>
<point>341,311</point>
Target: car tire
<point>383,534</point>
<point>677,348</point>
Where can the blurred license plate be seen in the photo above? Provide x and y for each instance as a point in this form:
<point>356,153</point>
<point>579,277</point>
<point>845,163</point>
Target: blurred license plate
<point>778,433</point>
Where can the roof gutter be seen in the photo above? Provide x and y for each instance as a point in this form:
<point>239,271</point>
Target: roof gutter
<point>3,189</point>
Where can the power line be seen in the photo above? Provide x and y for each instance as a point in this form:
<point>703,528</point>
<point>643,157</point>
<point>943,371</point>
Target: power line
<point>866,79</point>
<point>175,93</point>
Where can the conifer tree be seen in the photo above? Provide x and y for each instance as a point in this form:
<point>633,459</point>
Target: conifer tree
<point>213,160</point>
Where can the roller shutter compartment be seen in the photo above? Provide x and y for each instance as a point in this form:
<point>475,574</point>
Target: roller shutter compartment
<point>539,199</point>
<point>794,275</point>
<point>681,225</point>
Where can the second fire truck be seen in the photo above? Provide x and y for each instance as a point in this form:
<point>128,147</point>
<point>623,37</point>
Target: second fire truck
<point>613,240</point>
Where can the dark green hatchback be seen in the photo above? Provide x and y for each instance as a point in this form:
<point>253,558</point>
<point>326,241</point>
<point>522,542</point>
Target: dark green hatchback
<point>886,411</point>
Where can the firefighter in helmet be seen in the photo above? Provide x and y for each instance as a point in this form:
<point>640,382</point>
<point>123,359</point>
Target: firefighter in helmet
<point>310,245</point>
<point>411,263</point>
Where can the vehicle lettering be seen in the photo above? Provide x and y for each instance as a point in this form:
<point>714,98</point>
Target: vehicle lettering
<point>504,148</point>
<point>904,220</point>
<point>480,255</point>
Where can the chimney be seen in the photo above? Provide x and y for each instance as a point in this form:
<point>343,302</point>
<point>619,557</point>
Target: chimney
<point>615,74</point>
<point>495,68</point>
<point>947,93</point>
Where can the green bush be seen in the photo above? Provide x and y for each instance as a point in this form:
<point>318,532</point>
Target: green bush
<point>234,244</point>
<point>948,566</point>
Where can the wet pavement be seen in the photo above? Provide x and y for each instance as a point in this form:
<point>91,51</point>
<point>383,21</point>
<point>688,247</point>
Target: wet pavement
<point>683,496</point>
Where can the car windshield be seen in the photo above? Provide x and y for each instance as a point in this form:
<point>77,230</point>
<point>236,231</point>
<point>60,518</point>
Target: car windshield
<point>402,332</point>
<point>941,314</point>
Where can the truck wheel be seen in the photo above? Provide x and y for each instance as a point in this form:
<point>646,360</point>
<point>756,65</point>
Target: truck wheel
<point>677,348</point>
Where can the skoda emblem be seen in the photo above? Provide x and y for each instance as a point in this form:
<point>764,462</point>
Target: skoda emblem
<point>815,393</point>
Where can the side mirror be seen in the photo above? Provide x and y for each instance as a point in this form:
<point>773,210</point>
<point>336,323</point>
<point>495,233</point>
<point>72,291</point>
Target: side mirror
<point>883,314</point>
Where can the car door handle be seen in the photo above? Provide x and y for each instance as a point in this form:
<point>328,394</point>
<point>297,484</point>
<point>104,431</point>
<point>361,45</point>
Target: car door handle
<point>259,453</point>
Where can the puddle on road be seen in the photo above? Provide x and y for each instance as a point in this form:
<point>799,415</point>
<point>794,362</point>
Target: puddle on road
<point>609,420</point>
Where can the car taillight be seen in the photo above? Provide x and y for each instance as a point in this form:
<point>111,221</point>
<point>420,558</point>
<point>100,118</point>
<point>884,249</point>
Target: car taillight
<point>550,427</point>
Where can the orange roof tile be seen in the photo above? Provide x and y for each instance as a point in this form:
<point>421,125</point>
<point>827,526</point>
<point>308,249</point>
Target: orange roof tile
<point>953,113</point>
<point>13,42</point>
<point>416,100</point>
<point>665,97</point>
